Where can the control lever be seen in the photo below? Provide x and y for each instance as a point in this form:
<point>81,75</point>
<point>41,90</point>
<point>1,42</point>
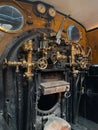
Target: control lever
<point>89,53</point>
<point>58,35</point>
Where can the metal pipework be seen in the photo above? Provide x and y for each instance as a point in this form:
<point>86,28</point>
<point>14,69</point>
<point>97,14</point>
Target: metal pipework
<point>58,57</point>
<point>28,64</point>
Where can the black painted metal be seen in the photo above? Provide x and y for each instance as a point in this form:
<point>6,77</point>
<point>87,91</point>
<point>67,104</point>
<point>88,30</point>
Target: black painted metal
<point>19,100</point>
<point>21,94</point>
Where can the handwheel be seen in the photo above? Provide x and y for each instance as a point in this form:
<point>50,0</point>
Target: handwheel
<point>42,63</point>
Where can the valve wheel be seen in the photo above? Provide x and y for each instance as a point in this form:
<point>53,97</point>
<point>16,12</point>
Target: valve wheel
<point>42,63</point>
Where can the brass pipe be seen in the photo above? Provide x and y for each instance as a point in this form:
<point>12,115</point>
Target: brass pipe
<point>29,63</point>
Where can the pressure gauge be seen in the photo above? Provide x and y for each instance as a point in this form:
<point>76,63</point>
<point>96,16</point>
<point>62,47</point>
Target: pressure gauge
<point>52,12</point>
<point>41,8</point>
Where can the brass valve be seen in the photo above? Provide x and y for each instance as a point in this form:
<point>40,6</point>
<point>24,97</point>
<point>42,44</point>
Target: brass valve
<point>58,57</point>
<point>42,63</point>
<point>28,63</point>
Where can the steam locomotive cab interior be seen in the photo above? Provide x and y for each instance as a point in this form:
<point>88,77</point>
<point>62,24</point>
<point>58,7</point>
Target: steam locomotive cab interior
<point>45,69</point>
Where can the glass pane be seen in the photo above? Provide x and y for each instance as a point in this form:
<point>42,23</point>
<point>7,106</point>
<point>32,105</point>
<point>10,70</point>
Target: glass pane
<point>10,18</point>
<point>74,33</point>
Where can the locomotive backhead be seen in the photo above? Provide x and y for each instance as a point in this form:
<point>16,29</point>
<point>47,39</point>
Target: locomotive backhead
<point>42,52</point>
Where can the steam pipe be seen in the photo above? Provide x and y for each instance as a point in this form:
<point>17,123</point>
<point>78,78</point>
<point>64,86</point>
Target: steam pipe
<point>19,100</point>
<point>29,105</point>
<point>35,98</point>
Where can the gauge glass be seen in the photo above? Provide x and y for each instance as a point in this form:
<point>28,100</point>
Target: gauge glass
<point>52,12</point>
<point>41,8</point>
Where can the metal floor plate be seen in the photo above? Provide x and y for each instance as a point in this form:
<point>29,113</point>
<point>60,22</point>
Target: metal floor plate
<point>84,124</point>
<point>3,124</point>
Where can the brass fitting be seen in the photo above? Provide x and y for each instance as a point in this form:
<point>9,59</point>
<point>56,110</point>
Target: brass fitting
<point>28,63</point>
<point>60,56</point>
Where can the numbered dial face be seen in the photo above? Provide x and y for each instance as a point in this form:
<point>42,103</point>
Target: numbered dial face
<point>41,8</point>
<point>52,12</point>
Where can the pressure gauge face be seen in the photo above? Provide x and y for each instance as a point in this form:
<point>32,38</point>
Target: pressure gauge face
<point>41,8</point>
<point>52,12</point>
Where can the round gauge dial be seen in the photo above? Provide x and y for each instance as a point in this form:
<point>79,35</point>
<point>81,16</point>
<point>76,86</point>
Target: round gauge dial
<point>41,8</point>
<point>52,12</point>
